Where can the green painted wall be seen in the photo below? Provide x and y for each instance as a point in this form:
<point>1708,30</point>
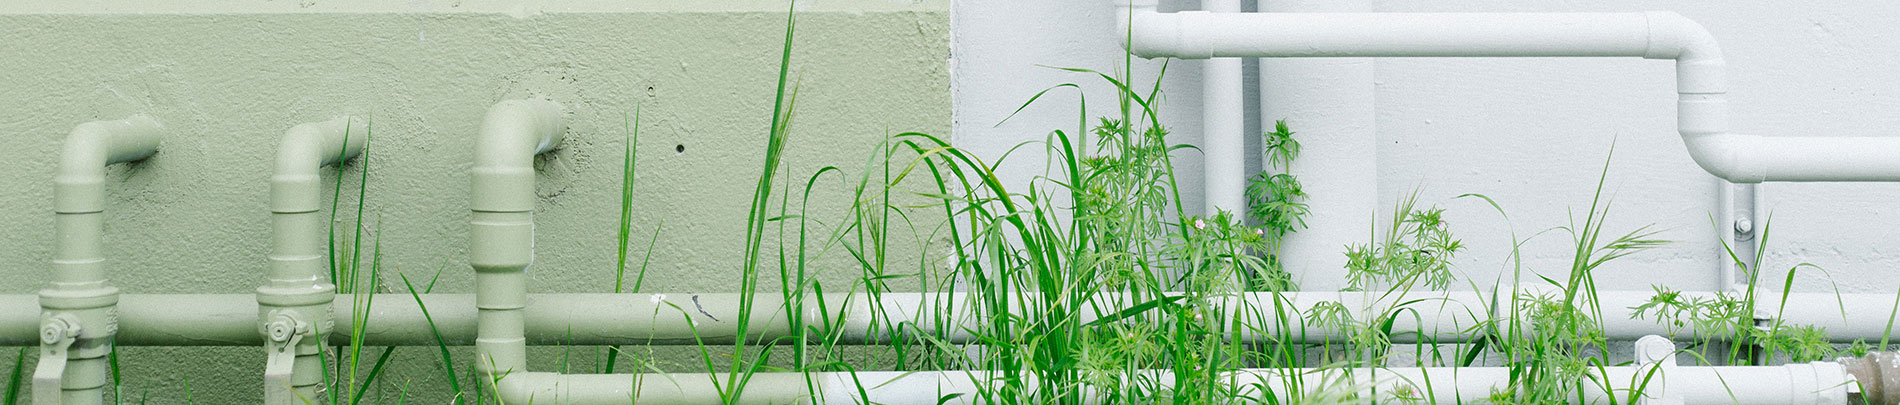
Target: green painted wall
<point>228,77</point>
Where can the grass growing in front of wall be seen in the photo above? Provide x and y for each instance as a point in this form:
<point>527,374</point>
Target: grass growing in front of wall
<point>1092,284</point>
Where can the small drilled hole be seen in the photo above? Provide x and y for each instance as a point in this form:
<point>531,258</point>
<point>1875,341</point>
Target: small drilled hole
<point>679,148</point>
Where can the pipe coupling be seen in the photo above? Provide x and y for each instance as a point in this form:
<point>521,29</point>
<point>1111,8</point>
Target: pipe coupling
<point>1877,378</point>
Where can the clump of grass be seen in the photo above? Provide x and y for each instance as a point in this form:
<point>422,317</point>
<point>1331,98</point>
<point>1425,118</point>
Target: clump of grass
<point>1729,317</point>
<point>14,378</point>
<point>358,278</point>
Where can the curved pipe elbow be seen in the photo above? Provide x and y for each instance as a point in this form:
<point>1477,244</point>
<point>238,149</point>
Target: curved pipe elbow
<point>89,149</point>
<point>1728,156</point>
<point>1700,68</point>
<point>304,149</point>
<point>1147,33</point>
<point>512,133</point>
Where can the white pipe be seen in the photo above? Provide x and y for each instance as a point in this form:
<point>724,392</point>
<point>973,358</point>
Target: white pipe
<point>297,295</point>
<point>1806,383</point>
<point>1223,127</point>
<point>78,323</point>
<point>605,319</point>
<point>1702,110</point>
<point>662,319</point>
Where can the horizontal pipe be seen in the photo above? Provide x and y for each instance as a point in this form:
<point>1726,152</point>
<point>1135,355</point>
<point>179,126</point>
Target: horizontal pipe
<point>1701,72</point>
<point>1200,35</point>
<point>604,319</point>
<point>1806,383</point>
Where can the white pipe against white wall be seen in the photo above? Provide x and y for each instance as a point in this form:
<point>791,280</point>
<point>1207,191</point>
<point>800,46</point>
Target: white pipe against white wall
<point>295,301</point>
<point>1223,126</point>
<point>77,326</point>
<point>1702,110</point>
<point>1806,383</point>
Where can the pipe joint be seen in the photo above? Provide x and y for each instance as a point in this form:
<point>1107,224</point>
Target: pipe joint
<point>1162,35</point>
<point>89,149</point>
<point>513,132</point>
<point>1700,68</point>
<point>303,149</point>
<point>1732,157</point>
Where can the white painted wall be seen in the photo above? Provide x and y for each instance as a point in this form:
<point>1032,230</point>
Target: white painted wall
<point>1531,133</point>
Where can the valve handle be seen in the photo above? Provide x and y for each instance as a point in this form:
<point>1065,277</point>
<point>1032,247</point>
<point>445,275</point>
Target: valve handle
<point>57,334</point>
<point>280,346</point>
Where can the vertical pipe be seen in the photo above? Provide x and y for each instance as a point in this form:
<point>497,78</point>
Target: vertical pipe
<point>502,225</point>
<point>79,304</point>
<point>1329,102</point>
<point>297,289</point>
<point>1224,176</point>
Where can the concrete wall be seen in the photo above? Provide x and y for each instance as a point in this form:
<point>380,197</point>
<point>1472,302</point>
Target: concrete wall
<point>1531,133</point>
<point>228,77</point>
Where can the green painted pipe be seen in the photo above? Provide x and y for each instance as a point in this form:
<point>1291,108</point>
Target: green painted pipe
<point>502,225</point>
<point>297,296</point>
<point>78,323</point>
<point>396,320</point>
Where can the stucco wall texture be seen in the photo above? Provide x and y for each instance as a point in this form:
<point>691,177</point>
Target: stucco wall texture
<point>1532,133</point>
<point>227,78</point>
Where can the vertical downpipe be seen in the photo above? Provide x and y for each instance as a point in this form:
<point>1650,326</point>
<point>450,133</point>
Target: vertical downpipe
<point>78,316</point>
<point>501,227</point>
<point>1329,103</point>
<point>294,306</point>
<point>1223,118</point>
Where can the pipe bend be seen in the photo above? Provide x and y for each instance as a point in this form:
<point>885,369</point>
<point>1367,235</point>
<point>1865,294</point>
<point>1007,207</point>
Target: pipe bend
<point>1156,35</point>
<point>514,131</point>
<point>1700,68</point>
<point>305,148</point>
<point>1729,156</point>
<point>89,149</point>
<point>308,146</point>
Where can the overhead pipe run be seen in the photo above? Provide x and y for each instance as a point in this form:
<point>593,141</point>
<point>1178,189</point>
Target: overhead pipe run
<point>76,312</point>
<point>1701,82</point>
<point>294,305</point>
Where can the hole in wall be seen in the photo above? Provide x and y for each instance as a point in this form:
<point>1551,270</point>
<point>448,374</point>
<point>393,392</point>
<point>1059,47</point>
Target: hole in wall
<point>681,148</point>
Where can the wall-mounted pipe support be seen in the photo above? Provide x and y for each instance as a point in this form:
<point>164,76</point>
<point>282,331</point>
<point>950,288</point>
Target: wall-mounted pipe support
<point>502,226</point>
<point>295,301</point>
<point>77,310</point>
<point>1701,82</point>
